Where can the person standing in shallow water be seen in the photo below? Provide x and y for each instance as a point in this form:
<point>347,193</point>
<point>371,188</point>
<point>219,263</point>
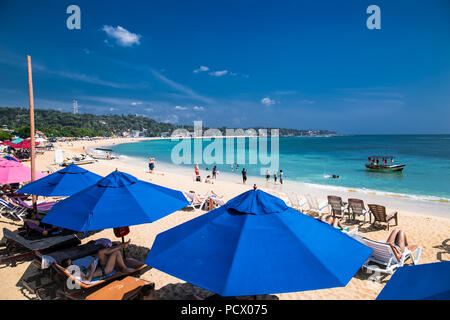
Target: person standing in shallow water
<point>281,176</point>
<point>214,172</point>
<point>267,175</point>
<point>244,175</point>
<point>151,164</point>
<point>275,176</point>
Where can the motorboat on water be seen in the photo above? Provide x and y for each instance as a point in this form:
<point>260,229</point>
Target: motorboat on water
<point>383,164</point>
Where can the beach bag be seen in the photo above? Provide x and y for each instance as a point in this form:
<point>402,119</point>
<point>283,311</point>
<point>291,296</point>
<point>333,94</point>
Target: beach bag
<point>197,178</point>
<point>121,232</point>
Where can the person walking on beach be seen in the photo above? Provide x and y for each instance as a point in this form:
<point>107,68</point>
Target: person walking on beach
<point>197,172</point>
<point>281,176</point>
<point>275,177</point>
<point>151,164</point>
<point>214,172</point>
<point>267,175</point>
<point>244,175</point>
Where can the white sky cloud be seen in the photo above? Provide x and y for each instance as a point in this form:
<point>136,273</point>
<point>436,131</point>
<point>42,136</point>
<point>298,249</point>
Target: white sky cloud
<point>219,73</point>
<point>122,36</point>
<point>198,108</point>
<point>267,101</point>
<point>180,108</point>
<point>201,69</point>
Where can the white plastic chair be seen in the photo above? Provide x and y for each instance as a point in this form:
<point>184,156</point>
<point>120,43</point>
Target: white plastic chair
<point>295,201</point>
<point>315,206</point>
<point>382,254</point>
<point>196,202</point>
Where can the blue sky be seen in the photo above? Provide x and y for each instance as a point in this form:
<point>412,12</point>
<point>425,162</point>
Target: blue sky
<point>295,64</point>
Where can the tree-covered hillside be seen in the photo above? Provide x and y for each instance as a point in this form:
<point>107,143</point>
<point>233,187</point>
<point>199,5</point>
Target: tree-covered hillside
<point>65,124</point>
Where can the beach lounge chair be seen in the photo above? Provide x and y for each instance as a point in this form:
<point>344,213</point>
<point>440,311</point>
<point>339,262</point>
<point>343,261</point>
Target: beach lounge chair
<point>356,208</point>
<point>51,169</point>
<point>20,247</point>
<point>379,214</point>
<point>216,202</point>
<point>315,206</point>
<point>129,288</point>
<point>12,210</point>
<point>53,262</point>
<point>338,207</point>
<point>384,256</point>
<point>296,202</point>
<point>196,201</point>
<point>42,207</point>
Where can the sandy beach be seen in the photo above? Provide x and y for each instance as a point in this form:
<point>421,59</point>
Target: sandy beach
<point>425,224</point>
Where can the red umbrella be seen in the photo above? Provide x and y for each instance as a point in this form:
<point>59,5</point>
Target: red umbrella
<point>25,144</point>
<point>8,143</point>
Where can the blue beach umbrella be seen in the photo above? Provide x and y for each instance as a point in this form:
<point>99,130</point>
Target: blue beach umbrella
<point>62,183</point>
<point>429,281</point>
<point>118,200</point>
<point>255,244</point>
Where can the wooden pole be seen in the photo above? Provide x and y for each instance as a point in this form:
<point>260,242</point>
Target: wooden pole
<point>33,151</point>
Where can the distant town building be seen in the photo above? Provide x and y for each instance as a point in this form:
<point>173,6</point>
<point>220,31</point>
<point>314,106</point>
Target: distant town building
<point>137,133</point>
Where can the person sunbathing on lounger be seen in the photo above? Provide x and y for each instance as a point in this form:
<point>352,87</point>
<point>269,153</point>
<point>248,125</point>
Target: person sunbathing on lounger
<point>336,222</point>
<point>103,264</point>
<point>397,241</point>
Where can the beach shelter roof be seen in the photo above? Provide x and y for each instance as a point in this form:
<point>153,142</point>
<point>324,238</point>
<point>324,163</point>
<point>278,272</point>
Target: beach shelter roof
<point>429,281</point>
<point>15,172</point>
<point>25,144</point>
<point>118,200</point>
<point>255,244</point>
<point>7,143</point>
<point>65,182</point>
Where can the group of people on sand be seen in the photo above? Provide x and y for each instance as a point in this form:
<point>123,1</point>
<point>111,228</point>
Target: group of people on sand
<point>275,176</point>
<point>215,172</point>
<point>209,178</point>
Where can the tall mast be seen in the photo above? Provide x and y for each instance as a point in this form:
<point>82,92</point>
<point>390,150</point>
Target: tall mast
<point>32,145</point>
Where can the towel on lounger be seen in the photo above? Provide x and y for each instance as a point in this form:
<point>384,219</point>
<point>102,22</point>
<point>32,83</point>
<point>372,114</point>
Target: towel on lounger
<point>47,261</point>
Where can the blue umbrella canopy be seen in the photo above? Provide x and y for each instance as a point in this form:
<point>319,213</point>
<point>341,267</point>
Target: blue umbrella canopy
<point>118,200</point>
<point>429,281</point>
<point>255,244</point>
<point>62,183</point>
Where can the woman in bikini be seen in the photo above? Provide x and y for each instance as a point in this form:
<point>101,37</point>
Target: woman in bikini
<point>104,263</point>
<point>397,241</point>
<point>336,222</point>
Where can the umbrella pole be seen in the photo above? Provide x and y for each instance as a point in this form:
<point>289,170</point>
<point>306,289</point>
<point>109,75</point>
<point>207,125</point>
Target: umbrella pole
<point>123,249</point>
<point>33,153</point>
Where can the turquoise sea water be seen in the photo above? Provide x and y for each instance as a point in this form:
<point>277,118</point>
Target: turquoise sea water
<point>314,160</point>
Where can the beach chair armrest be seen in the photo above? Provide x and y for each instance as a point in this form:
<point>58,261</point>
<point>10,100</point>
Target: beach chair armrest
<point>391,216</point>
<point>323,205</point>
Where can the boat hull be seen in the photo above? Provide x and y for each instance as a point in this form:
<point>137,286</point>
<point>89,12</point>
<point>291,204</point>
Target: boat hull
<point>379,168</point>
